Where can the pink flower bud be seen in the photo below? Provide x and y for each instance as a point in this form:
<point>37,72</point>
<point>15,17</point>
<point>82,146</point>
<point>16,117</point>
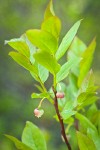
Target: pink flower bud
<point>38,113</point>
<point>60,95</point>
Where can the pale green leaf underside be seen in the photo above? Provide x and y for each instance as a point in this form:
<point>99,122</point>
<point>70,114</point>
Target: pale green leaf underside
<point>33,137</point>
<point>43,73</point>
<point>64,70</point>
<point>67,40</point>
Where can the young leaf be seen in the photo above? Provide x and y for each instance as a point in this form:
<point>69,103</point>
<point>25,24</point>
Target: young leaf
<point>48,61</point>
<point>20,45</point>
<point>43,73</point>
<point>52,25</point>
<point>43,40</point>
<point>84,142</point>
<point>67,40</point>
<point>86,61</point>
<point>23,61</point>
<point>49,12</point>
<point>19,145</point>
<point>33,137</point>
<point>64,70</point>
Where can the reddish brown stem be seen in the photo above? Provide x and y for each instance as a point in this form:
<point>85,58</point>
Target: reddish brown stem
<point>60,120</point>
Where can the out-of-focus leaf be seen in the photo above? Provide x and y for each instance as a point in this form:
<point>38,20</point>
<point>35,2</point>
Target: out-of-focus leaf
<point>20,45</point>
<point>23,61</point>
<point>64,70</point>
<point>48,61</point>
<point>77,47</point>
<point>95,137</point>
<point>33,137</point>
<point>41,95</point>
<point>43,73</point>
<point>85,122</point>
<point>43,40</point>
<point>86,61</point>
<point>86,98</point>
<point>52,25</point>
<point>91,111</point>
<point>19,145</point>
<point>67,40</point>
<point>84,142</point>
<point>49,12</point>
<point>68,110</point>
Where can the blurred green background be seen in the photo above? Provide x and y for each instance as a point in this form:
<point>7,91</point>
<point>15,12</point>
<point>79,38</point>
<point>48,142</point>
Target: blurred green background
<point>16,84</point>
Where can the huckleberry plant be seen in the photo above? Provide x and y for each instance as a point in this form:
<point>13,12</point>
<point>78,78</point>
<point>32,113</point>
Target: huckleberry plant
<point>72,93</point>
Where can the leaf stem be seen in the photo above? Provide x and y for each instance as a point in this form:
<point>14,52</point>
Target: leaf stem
<point>60,119</point>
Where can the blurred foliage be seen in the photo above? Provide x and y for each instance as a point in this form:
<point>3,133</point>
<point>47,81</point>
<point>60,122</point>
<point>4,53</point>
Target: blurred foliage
<point>16,105</point>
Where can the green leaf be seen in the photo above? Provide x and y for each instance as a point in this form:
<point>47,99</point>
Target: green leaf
<point>85,122</point>
<point>43,73</point>
<point>49,12</point>
<point>19,145</point>
<point>77,47</point>
<point>20,45</point>
<point>23,61</point>
<point>52,25</point>
<point>41,95</point>
<point>43,40</point>
<point>95,137</point>
<point>64,70</point>
<point>33,137</point>
<point>48,61</point>
<point>68,110</point>
<point>67,40</point>
<point>86,61</point>
<point>84,142</point>
<point>86,98</point>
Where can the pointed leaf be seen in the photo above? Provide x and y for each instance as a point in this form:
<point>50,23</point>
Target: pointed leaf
<point>23,61</point>
<point>19,145</point>
<point>84,142</point>
<point>20,45</point>
<point>33,137</point>
<point>48,61</point>
<point>67,40</point>
<point>49,12</point>
<point>43,40</point>
<point>64,70</point>
<point>86,61</point>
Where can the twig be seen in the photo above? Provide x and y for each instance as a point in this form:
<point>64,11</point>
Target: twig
<point>60,120</point>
